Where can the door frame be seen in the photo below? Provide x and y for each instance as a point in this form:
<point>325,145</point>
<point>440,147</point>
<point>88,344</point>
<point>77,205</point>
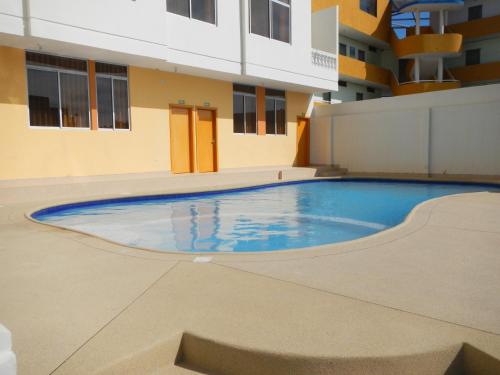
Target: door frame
<point>308,146</point>
<point>190,110</point>
<point>216,136</point>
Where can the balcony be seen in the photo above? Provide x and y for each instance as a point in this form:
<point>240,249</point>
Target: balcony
<point>477,73</point>
<point>428,45</point>
<point>408,88</point>
<point>363,71</point>
<point>324,59</point>
<point>477,28</point>
<point>352,17</point>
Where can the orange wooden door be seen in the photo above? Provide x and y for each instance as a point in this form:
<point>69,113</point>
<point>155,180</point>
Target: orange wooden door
<point>206,142</point>
<point>302,157</point>
<point>180,140</point>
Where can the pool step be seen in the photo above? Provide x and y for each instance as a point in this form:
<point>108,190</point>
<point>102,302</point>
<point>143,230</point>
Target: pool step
<point>191,354</point>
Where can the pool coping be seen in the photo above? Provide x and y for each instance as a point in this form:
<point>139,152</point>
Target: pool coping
<point>249,187</point>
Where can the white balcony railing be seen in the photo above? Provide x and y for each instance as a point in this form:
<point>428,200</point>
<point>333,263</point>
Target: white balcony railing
<point>324,59</point>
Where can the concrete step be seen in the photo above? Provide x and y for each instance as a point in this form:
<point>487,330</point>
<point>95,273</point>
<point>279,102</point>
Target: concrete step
<point>330,171</point>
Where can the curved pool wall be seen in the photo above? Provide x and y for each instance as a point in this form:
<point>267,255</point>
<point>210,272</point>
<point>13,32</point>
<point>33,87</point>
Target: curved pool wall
<point>270,217</point>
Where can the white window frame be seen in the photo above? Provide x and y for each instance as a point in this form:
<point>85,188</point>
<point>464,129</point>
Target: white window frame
<point>59,71</point>
<point>245,95</point>
<point>270,14</point>
<point>216,8</point>
<point>275,99</point>
<point>113,78</point>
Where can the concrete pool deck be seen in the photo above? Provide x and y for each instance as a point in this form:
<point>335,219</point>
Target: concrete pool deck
<point>423,297</point>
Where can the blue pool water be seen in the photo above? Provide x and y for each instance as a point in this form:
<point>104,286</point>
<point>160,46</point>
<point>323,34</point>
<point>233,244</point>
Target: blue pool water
<point>268,218</point>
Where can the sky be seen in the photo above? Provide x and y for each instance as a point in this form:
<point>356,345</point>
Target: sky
<point>400,21</point>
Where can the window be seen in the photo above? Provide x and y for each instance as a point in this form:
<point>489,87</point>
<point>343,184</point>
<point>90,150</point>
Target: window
<point>361,55</point>
<point>369,6</point>
<point>370,90</point>
<point>244,110</point>
<point>203,10</point>
<point>372,49</point>
<point>475,12</point>
<point>327,96</point>
<point>58,91</point>
<point>343,49</point>
<point>352,51</point>
<point>343,83</point>
<point>473,57</point>
<point>359,96</point>
<point>275,112</point>
<point>112,96</point>
<point>271,18</point>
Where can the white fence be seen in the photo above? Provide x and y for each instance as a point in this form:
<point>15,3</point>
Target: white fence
<point>447,132</point>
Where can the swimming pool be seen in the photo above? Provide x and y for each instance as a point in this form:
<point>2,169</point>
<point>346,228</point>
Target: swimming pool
<point>272,217</point>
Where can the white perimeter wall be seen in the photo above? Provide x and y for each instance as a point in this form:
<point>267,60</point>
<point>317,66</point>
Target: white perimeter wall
<point>447,132</point>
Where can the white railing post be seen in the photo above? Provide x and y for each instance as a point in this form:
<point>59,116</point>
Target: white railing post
<point>324,59</point>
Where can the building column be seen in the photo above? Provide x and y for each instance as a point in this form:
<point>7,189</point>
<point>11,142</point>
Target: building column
<point>92,95</point>
<point>417,23</point>
<point>440,69</point>
<point>261,110</point>
<point>417,69</point>
<point>441,22</point>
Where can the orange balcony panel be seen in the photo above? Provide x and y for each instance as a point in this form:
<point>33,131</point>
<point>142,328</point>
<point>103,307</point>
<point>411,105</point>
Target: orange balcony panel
<point>421,87</point>
<point>363,71</point>
<point>478,73</point>
<point>352,16</point>
<point>427,44</point>
<point>477,28</point>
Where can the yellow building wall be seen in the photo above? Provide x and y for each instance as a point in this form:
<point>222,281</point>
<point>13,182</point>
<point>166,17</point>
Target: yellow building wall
<point>27,152</point>
<point>351,15</point>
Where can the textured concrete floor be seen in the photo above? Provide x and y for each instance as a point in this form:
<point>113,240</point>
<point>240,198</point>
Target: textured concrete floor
<point>387,304</point>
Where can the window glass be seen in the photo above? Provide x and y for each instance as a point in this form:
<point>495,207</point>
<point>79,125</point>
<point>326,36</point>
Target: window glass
<point>473,57</point>
<point>250,114</point>
<point>327,96</point>
<point>259,15</point>
<point>120,100</point>
<point>180,7</point>
<point>281,21</point>
<point>359,96</point>
<point>343,49</point>
<point>342,83</point>
<point>280,117</point>
<point>361,55</point>
<point>58,91</point>
<point>369,6</point>
<point>275,112</point>
<point>74,100</point>
<point>104,103</point>
<point>475,12</point>
<point>270,116</point>
<point>238,113</point>
<point>43,89</point>
<point>352,51</point>
<point>203,10</point>
<point>112,96</point>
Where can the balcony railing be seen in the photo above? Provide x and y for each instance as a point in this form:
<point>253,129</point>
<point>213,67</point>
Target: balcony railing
<point>324,59</point>
<point>422,86</point>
